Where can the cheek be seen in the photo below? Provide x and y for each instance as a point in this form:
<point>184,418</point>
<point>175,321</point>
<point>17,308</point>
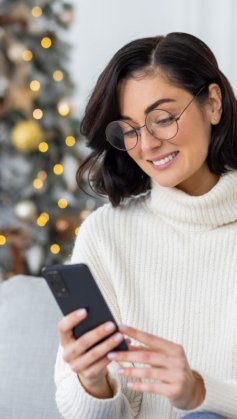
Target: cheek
<point>133,154</point>
<point>194,135</point>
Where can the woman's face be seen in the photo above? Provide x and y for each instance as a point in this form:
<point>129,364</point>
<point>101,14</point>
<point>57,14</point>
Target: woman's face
<point>181,161</point>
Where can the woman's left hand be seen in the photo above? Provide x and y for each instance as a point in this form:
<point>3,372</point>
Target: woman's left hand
<point>168,371</point>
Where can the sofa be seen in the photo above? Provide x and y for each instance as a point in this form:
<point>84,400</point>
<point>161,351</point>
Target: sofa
<point>28,347</point>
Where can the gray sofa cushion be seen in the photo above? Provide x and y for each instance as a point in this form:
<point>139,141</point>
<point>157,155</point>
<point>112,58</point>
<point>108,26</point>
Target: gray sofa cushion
<point>28,347</point>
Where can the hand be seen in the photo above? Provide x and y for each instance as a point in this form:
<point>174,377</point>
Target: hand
<point>168,369</point>
<point>89,364</point>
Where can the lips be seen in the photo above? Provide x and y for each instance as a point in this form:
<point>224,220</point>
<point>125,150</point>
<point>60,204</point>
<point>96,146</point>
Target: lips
<point>164,159</point>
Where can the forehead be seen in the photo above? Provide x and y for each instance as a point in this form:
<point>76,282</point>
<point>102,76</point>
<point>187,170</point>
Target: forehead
<point>139,92</point>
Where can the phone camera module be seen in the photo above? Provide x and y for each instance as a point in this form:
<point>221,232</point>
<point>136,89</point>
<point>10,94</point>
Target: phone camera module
<point>57,284</point>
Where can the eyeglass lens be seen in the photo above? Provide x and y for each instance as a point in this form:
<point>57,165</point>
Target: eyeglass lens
<point>161,124</point>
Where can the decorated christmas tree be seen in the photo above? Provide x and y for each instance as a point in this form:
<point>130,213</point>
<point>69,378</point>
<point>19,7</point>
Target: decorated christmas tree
<point>41,205</point>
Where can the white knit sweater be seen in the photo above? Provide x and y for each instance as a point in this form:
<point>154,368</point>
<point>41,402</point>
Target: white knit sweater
<point>166,263</point>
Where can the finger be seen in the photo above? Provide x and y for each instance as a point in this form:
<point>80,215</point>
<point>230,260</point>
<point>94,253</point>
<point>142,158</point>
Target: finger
<point>94,336</point>
<point>86,341</point>
<point>142,357</point>
<point>161,359</point>
<point>148,387</point>
<point>159,374</point>
<point>138,348</point>
<point>67,323</point>
<point>96,369</point>
<point>148,339</point>
<point>96,354</point>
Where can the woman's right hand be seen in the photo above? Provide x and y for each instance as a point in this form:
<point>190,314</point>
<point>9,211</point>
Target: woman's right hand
<point>89,364</point>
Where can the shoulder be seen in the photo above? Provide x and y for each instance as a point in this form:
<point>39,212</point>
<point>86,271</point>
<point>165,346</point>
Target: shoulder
<point>107,225</point>
<point>129,208</point>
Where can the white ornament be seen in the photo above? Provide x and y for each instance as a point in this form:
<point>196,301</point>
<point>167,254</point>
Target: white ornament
<point>70,167</point>
<point>34,258</point>
<point>26,210</point>
<point>15,51</point>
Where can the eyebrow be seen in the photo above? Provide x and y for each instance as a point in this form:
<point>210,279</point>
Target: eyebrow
<point>150,108</point>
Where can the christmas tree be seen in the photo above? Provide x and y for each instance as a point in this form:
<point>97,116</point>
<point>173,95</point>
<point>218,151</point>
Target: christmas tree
<point>41,205</point>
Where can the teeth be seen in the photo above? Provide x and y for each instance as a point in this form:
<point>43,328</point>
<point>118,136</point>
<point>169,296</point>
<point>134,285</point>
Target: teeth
<point>165,160</point>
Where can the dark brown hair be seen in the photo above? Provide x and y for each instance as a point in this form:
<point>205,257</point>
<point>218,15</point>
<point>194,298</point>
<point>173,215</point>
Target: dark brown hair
<point>188,63</point>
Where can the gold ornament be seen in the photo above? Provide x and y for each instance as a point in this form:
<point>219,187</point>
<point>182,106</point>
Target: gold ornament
<point>21,98</point>
<point>26,136</point>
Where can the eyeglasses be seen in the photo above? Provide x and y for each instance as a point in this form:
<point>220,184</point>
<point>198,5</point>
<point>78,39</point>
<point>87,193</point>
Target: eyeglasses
<point>158,122</point>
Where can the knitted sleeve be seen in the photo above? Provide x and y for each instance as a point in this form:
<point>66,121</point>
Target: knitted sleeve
<point>72,400</point>
<point>221,397</point>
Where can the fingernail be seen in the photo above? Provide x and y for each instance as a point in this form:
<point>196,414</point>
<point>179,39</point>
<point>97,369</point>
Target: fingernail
<point>112,355</point>
<point>118,337</point>
<point>123,328</point>
<point>109,326</point>
<point>81,312</point>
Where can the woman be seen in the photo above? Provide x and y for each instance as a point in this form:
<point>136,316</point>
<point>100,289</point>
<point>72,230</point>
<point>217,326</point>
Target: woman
<point>161,123</point>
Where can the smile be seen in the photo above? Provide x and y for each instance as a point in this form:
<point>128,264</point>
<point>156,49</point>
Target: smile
<point>165,160</point>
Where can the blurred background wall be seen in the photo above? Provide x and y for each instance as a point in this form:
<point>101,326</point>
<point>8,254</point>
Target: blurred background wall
<point>103,26</point>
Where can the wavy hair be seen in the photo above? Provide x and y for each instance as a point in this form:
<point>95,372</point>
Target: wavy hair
<point>188,63</point>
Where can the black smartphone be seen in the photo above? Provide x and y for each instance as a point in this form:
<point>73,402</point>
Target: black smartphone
<point>74,287</point>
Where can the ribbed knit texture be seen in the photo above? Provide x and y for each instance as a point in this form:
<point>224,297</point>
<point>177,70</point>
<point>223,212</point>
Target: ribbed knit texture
<point>166,264</point>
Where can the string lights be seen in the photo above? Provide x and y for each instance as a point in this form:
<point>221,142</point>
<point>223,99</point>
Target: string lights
<point>64,108</point>
<point>58,169</point>
<point>36,11</point>
<point>46,42</point>
<point>27,55</point>
<point>43,147</point>
<point>43,219</point>
<point>58,75</point>
<point>38,113</point>
<point>70,140</point>
<point>35,85</point>
<point>62,203</point>
<point>38,183</point>
<point>3,240</point>
<point>55,248</point>
<point>42,174</point>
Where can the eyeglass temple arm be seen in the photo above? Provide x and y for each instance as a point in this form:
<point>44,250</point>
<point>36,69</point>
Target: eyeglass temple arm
<point>189,103</point>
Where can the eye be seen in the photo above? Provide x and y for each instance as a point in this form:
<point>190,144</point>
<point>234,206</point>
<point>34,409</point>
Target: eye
<point>125,129</point>
<point>164,120</point>
<point>130,133</point>
<point>159,118</point>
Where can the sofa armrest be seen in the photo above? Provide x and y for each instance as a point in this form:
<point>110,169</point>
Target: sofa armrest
<point>28,347</point>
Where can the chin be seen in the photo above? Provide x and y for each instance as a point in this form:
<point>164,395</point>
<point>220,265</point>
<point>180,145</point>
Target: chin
<point>168,183</point>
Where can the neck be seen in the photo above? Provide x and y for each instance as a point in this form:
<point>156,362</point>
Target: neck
<point>216,207</point>
<point>194,187</point>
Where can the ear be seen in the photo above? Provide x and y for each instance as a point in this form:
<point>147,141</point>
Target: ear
<point>215,103</point>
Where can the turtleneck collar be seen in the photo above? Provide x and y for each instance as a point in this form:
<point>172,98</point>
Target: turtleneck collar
<point>196,213</point>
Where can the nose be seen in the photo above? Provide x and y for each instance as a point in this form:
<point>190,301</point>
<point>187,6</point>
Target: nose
<point>147,140</point>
